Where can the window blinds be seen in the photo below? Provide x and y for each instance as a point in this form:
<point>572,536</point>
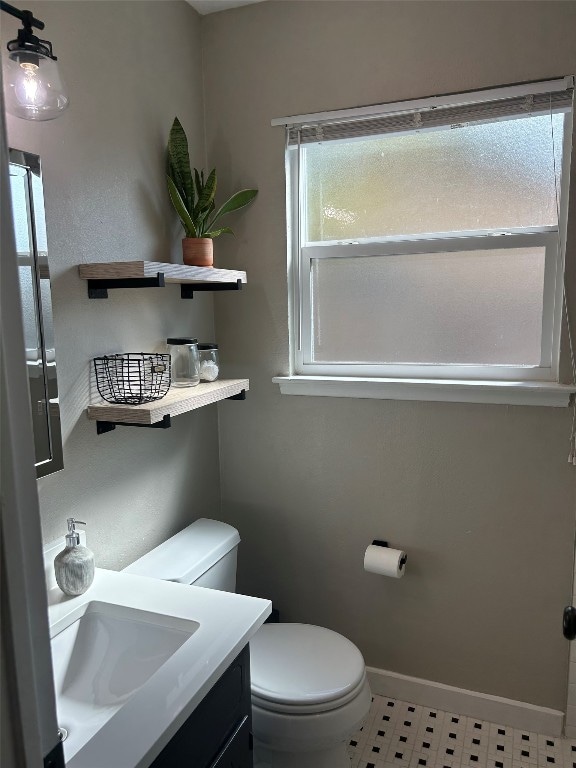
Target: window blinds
<point>464,109</point>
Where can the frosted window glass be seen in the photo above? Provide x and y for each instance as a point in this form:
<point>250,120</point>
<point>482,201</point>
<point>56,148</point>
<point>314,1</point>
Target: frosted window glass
<point>493,176</point>
<point>29,312</point>
<point>19,194</point>
<point>24,247</point>
<point>40,220</point>
<point>468,308</point>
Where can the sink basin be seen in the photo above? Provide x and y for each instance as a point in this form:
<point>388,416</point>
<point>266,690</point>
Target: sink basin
<point>103,657</point>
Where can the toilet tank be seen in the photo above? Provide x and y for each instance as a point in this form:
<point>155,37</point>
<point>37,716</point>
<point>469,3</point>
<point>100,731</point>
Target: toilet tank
<point>203,554</point>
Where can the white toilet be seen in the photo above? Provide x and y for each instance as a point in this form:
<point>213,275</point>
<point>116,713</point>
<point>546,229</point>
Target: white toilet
<point>309,686</point>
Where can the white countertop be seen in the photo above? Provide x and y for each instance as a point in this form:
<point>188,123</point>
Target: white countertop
<point>138,731</point>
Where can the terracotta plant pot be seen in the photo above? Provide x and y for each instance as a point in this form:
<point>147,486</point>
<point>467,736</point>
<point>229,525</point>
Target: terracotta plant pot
<point>197,251</point>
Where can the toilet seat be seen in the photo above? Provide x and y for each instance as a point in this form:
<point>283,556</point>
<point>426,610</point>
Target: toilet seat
<point>308,709</point>
<point>301,668</point>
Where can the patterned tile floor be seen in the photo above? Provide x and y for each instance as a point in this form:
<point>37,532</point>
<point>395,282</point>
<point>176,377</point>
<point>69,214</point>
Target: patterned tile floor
<point>401,735</point>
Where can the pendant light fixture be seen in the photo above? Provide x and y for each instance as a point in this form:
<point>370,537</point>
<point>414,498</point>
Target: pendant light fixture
<point>33,89</point>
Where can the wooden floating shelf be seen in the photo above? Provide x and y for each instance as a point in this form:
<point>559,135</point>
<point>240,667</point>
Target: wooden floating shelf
<point>178,400</point>
<point>150,274</point>
<point>173,273</point>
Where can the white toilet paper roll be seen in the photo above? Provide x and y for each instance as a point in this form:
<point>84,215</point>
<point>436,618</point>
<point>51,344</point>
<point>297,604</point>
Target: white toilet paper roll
<point>385,561</point>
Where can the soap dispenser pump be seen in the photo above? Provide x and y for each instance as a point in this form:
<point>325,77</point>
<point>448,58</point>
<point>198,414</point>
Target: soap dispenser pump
<point>74,566</point>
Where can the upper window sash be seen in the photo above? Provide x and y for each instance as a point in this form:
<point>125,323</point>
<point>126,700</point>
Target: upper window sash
<point>308,174</point>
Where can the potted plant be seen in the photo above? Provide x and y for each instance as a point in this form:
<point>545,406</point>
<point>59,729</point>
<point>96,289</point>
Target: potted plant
<point>192,196</point>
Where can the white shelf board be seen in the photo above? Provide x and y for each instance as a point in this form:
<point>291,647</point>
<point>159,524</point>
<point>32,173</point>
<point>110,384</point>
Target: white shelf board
<point>178,400</point>
<point>173,273</point>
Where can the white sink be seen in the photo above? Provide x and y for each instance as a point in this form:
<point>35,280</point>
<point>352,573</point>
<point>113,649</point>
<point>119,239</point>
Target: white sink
<point>103,657</point>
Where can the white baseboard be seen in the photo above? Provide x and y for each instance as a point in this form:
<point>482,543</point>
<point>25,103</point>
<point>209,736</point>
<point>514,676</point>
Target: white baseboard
<point>516,714</point>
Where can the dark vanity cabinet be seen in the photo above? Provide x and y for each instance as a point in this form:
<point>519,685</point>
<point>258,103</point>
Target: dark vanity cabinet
<point>218,733</point>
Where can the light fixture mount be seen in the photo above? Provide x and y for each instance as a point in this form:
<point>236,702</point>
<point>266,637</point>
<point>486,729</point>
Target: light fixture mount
<point>27,42</point>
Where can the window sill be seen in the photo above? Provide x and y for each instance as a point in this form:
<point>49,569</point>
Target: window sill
<point>444,391</point>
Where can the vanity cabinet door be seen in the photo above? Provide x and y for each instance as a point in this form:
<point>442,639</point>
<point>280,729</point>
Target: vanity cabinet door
<point>217,733</point>
<point>237,753</point>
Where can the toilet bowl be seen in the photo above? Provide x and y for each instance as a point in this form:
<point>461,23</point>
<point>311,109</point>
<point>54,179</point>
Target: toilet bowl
<point>309,695</point>
<point>309,686</point>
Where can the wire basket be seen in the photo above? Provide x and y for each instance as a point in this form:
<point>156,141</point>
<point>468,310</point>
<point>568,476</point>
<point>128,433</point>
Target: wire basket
<point>133,377</point>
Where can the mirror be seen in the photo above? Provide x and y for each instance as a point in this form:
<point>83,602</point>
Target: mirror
<point>32,251</point>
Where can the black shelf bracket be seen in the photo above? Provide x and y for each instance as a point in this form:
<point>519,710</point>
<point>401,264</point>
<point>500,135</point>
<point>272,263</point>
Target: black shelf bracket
<point>107,426</point>
<point>240,396</point>
<point>98,289</point>
<point>187,289</point>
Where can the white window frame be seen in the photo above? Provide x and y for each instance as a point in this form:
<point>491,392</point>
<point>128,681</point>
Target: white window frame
<point>439,382</point>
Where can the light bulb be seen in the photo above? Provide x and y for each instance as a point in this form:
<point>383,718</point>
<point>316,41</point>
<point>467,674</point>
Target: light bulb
<point>29,88</point>
<point>33,88</point>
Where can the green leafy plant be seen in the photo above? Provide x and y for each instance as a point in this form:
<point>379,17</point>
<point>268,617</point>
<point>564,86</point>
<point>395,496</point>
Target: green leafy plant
<point>192,195</point>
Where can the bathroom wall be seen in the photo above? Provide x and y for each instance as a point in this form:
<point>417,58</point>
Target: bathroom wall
<point>130,67</point>
<point>480,496</point>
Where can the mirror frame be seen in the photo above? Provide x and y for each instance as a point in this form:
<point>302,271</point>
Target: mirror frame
<point>42,298</point>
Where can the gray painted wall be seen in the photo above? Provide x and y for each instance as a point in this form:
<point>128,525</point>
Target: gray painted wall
<point>130,67</point>
<point>480,496</point>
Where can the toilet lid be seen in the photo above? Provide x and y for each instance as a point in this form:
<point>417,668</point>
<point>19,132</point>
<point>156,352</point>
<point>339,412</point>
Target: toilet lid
<point>303,664</point>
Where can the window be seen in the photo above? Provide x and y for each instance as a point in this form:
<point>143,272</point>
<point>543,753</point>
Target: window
<point>427,238</point>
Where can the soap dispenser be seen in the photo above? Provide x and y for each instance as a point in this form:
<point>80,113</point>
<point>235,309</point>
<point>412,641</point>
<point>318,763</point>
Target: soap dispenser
<point>74,566</point>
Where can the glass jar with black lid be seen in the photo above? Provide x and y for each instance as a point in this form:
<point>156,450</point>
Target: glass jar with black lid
<point>184,361</point>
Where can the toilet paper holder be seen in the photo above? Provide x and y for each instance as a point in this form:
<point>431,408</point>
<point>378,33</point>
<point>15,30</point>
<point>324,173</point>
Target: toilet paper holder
<point>382,543</point>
